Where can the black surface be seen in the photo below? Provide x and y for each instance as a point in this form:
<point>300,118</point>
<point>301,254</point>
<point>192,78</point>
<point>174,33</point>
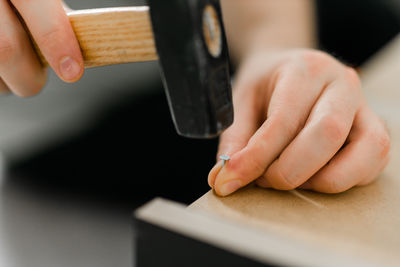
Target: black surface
<point>156,246</point>
<point>197,84</point>
<point>130,157</point>
<point>353,30</point>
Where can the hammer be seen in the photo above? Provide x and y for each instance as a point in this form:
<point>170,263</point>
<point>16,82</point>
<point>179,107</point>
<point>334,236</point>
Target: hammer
<point>188,38</point>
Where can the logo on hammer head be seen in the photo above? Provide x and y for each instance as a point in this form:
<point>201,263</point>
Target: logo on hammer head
<point>212,31</point>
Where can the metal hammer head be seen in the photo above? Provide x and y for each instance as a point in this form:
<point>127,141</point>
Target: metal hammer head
<point>193,55</point>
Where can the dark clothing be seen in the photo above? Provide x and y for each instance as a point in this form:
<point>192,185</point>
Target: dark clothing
<point>353,30</point>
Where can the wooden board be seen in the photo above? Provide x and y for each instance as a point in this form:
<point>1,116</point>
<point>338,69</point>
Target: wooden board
<point>193,237</point>
<point>363,222</point>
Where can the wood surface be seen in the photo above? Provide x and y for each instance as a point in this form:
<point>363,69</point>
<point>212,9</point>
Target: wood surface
<point>112,35</point>
<point>260,245</point>
<point>363,222</point>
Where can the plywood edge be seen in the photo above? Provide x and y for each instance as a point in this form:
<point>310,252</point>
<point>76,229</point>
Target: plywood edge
<point>241,239</point>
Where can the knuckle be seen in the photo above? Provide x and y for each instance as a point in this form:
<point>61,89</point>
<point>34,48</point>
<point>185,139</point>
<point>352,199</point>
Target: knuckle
<point>353,77</point>
<point>316,61</point>
<point>332,186</point>
<point>381,140</point>
<point>258,164</point>
<point>40,83</point>
<point>333,128</point>
<point>35,86</point>
<point>385,144</point>
<point>315,55</point>
<point>283,181</point>
<point>330,183</point>
<point>36,89</point>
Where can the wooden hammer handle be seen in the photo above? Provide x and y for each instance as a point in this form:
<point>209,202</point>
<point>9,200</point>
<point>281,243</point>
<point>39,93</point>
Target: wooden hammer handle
<point>112,35</point>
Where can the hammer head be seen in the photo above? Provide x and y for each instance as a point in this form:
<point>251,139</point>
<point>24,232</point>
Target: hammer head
<point>193,55</point>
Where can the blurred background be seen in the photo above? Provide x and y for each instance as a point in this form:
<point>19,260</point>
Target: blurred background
<point>79,158</point>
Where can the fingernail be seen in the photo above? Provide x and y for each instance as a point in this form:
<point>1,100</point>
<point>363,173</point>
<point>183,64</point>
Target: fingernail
<point>70,69</point>
<point>230,187</point>
<point>213,173</point>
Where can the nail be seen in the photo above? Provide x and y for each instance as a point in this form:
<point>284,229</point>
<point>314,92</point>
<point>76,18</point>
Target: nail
<point>224,158</point>
<point>70,69</point>
<point>230,187</point>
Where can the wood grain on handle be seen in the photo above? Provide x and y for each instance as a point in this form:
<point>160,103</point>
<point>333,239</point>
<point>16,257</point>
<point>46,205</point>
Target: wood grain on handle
<point>112,35</point>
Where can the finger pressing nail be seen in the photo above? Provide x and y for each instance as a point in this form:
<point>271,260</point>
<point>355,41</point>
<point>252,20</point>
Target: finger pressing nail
<point>216,169</point>
<point>227,182</point>
<point>213,173</point>
<point>230,187</point>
